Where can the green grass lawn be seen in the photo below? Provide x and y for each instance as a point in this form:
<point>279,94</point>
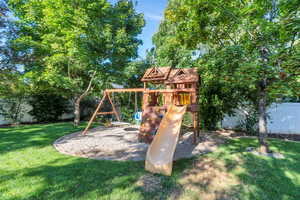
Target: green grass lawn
<point>30,168</point>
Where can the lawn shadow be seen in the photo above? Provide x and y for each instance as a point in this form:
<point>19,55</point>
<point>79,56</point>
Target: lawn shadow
<point>15,138</point>
<point>81,178</point>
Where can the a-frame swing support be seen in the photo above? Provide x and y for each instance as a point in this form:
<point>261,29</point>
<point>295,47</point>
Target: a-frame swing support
<point>114,111</point>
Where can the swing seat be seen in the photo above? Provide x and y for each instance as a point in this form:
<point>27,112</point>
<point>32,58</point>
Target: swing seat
<point>117,123</point>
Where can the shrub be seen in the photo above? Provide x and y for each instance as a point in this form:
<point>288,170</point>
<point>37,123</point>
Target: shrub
<point>48,107</point>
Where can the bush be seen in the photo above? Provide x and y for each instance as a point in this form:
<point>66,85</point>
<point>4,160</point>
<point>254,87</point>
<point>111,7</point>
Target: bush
<point>216,100</point>
<point>48,107</point>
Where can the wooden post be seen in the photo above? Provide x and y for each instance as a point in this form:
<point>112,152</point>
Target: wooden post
<point>135,102</point>
<point>95,114</point>
<point>198,124</point>
<point>195,127</point>
<point>146,100</point>
<point>113,107</point>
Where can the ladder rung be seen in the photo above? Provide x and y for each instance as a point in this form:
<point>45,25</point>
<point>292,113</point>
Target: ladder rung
<point>105,113</point>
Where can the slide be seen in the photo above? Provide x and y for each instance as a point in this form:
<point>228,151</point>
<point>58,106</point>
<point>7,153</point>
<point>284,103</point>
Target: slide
<point>159,158</point>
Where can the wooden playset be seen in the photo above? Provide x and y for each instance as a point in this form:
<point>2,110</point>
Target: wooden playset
<point>181,88</point>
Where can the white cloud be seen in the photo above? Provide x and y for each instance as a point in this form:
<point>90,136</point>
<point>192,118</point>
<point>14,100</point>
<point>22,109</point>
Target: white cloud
<point>153,17</point>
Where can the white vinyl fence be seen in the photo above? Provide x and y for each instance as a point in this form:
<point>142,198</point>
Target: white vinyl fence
<point>284,119</point>
<point>27,118</point>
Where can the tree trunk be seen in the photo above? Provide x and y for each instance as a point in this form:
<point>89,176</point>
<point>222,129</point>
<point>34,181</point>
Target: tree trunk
<point>77,111</point>
<point>78,100</point>
<point>262,121</point>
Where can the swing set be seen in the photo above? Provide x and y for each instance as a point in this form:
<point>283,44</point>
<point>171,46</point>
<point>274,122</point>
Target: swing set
<point>107,95</point>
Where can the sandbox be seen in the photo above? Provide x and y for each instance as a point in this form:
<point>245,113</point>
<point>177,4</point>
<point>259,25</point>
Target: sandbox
<point>121,144</point>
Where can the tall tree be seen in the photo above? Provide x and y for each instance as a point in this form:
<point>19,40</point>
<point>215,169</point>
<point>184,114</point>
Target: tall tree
<point>254,43</point>
<point>7,33</point>
<point>75,46</point>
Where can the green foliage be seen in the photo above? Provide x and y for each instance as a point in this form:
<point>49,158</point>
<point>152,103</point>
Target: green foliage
<point>47,107</point>
<point>251,40</point>
<point>65,42</point>
<point>73,47</point>
<point>127,114</point>
<point>133,73</point>
<point>168,51</point>
<point>216,100</point>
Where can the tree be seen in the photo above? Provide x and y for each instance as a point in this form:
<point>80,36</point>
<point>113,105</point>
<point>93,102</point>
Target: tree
<point>168,51</point>
<point>75,46</point>
<point>254,43</point>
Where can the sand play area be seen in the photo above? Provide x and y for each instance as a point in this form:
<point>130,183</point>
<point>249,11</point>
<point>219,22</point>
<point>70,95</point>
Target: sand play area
<point>121,143</point>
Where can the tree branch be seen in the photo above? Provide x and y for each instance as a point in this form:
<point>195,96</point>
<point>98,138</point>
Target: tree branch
<point>89,87</point>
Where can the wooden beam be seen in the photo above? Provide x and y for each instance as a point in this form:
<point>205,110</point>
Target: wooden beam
<point>171,90</point>
<point>95,114</point>
<point>125,90</point>
<point>151,91</point>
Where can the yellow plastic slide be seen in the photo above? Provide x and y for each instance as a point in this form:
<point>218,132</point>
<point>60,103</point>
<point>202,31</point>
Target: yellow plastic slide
<point>159,158</point>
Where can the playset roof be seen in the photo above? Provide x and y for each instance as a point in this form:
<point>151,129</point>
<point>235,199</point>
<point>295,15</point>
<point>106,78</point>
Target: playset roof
<point>156,74</point>
<point>170,75</point>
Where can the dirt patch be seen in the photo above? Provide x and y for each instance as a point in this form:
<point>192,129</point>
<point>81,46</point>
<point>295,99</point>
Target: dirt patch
<point>121,143</point>
<point>209,179</point>
<point>271,154</point>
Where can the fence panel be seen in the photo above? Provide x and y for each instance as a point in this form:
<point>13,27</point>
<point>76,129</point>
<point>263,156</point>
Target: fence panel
<point>284,118</point>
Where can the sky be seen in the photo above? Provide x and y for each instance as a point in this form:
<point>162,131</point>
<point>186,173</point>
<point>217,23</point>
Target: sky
<point>153,13</point>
